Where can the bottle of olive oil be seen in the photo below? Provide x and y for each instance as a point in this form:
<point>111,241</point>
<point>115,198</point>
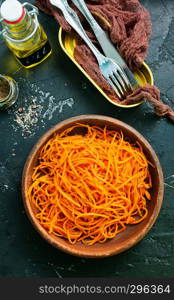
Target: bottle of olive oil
<point>23,34</point>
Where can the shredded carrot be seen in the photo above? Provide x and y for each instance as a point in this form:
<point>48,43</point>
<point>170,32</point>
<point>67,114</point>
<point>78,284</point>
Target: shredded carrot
<point>89,184</point>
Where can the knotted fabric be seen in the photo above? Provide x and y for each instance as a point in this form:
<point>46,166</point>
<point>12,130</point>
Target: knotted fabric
<point>128,24</point>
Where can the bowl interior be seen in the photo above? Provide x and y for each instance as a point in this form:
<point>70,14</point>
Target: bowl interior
<point>133,233</point>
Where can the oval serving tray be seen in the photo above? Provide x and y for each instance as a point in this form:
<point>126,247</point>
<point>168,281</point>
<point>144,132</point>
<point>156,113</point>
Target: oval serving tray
<point>143,75</point>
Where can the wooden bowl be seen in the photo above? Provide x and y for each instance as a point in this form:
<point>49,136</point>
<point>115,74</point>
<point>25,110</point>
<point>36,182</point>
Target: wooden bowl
<point>134,233</point>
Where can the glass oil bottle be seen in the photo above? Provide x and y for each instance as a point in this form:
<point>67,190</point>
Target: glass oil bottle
<point>23,34</point>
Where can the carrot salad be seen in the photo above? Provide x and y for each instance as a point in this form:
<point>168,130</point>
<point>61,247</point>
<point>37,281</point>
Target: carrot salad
<point>89,184</point>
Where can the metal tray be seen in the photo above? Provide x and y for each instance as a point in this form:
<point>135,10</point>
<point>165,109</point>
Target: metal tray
<point>143,75</point>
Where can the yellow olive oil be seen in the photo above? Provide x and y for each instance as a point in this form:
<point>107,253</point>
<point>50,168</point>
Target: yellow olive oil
<point>32,51</point>
<point>27,39</point>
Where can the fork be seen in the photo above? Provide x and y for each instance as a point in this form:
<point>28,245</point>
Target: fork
<point>109,49</point>
<point>110,70</point>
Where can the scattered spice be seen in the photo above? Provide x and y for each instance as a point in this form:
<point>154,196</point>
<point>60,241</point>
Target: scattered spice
<point>20,109</point>
<point>28,117</point>
<point>34,108</point>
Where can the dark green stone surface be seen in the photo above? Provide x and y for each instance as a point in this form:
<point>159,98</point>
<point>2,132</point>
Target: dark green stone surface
<point>23,253</point>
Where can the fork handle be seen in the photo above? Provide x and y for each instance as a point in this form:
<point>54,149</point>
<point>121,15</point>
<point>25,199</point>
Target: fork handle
<point>81,5</point>
<point>99,32</point>
<point>73,19</point>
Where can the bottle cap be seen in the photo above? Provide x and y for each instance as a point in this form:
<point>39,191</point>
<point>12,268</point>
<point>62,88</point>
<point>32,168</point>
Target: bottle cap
<point>12,11</point>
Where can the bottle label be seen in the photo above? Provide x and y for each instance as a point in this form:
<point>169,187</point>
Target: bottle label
<point>35,57</point>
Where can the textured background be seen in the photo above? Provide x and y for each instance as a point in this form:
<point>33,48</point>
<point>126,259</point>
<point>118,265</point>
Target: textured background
<point>54,91</point>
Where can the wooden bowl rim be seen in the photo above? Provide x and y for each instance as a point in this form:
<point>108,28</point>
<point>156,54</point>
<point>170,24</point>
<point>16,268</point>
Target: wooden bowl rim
<point>61,244</point>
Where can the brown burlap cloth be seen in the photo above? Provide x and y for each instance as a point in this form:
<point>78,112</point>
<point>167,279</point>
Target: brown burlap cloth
<point>129,30</point>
